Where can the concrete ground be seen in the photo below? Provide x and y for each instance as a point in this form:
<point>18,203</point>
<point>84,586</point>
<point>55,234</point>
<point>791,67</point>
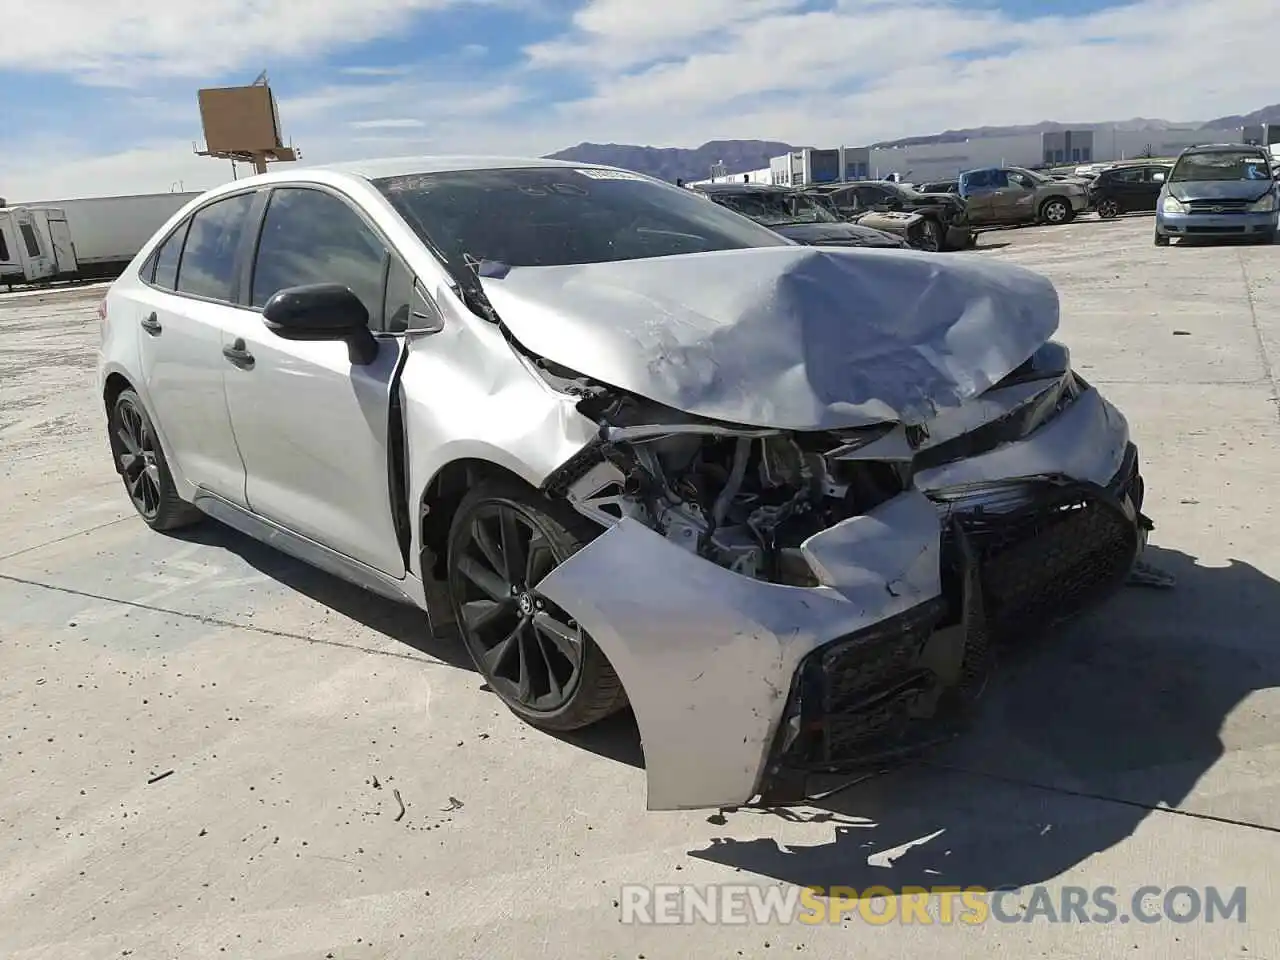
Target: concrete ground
<point>206,745</point>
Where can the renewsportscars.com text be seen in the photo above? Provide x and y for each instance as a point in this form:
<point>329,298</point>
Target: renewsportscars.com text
<point>754,904</point>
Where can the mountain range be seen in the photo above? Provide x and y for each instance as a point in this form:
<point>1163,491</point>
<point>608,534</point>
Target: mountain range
<point>738,156</point>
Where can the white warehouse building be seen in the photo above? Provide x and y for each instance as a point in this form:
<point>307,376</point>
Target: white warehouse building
<point>946,161</point>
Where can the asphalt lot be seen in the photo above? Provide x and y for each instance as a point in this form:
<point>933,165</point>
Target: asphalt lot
<point>1139,747</point>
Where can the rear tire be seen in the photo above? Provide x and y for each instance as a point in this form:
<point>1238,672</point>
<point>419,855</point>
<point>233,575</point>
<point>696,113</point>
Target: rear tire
<point>541,664</point>
<point>141,464</point>
<point>1056,210</point>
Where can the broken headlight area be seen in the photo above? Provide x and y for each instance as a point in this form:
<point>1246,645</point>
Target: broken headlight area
<point>743,498</point>
<point>1016,559</point>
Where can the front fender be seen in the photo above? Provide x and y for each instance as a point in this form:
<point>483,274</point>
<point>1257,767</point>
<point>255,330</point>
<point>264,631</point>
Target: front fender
<point>707,656</point>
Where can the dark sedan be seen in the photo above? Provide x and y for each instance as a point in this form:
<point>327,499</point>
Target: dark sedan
<point>795,216</point>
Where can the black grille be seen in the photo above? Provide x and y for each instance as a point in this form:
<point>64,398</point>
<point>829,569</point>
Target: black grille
<point>1043,565</point>
<point>897,687</point>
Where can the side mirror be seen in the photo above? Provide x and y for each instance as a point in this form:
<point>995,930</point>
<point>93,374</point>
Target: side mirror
<point>1157,178</point>
<point>322,311</point>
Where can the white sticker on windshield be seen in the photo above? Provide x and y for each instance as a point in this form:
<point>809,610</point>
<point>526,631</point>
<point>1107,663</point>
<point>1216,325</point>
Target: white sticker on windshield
<point>610,174</point>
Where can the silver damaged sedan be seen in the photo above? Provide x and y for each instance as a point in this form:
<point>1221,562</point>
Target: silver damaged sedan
<point>784,501</point>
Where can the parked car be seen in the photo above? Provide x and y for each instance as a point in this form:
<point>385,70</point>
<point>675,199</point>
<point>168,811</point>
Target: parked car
<point>1000,196</point>
<point>1128,188</point>
<point>945,221</point>
<point>940,186</point>
<point>795,215</point>
<point>1219,190</point>
<point>640,449</point>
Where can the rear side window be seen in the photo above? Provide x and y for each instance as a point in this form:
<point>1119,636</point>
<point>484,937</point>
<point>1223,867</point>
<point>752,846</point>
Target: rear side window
<point>1131,175</point>
<point>309,236</point>
<point>208,260</point>
<point>166,260</point>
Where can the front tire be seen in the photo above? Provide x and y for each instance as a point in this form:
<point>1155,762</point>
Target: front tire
<point>930,237</point>
<point>1056,210</point>
<point>1161,240</point>
<point>1108,209</point>
<point>1265,239</point>
<point>504,539</point>
<point>141,464</point>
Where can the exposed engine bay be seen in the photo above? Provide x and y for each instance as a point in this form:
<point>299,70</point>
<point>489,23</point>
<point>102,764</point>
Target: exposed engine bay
<point>747,498</point>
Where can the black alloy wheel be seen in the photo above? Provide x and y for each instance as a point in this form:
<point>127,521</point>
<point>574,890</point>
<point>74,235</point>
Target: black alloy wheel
<point>538,660</point>
<point>142,466</point>
<point>1108,209</point>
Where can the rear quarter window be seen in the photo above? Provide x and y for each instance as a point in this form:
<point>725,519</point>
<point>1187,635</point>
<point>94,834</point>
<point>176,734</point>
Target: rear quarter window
<point>207,266</point>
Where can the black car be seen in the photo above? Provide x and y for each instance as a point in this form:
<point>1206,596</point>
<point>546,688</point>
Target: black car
<point>945,214</point>
<point>794,215</point>
<point>1128,188</point>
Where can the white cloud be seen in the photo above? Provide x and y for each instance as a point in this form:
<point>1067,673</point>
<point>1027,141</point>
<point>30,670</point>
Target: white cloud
<point>391,123</point>
<point>120,43</point>
<point>661,72</point>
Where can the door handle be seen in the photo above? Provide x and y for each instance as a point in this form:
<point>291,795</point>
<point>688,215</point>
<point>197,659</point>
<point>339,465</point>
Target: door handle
<point>238,355</point>
<point>152,325</point>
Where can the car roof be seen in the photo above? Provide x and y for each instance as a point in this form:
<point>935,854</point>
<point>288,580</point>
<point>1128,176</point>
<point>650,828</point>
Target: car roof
<point>1224,148</point>
<point>378,168</point>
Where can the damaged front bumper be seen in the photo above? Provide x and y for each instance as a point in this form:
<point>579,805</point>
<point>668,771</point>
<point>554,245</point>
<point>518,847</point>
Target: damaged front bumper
<point>743,689</point>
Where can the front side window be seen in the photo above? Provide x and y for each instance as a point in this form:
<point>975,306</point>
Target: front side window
<point>553,216</point>
<point>1221,165</point>
<point>207,266</point>
<point>4,247</point>
<point>309,236</point>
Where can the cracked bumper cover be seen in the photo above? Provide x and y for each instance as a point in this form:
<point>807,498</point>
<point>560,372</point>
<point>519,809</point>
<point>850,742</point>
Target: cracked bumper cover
<point>742,688</point>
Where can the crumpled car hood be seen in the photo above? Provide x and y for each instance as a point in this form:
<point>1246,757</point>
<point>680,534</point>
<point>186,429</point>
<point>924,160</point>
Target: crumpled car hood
<point>791,337</point>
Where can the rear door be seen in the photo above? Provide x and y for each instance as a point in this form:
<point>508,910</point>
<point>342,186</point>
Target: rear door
<point>1014,199</point>
<point>1126,187</point>
<point>313,427</point>
<point>186,296</point>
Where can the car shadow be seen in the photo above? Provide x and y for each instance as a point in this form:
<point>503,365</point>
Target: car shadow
<point>1078,739</point>
<point>616,738</point>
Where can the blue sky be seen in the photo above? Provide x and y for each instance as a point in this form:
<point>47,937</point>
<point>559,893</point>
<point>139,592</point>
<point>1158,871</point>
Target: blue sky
<point>99,96</point>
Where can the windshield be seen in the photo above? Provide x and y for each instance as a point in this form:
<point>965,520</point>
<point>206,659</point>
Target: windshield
<point>1035,177</point>
<point>553,216</point>
<point>778,209</point>
<point>1221,165</point>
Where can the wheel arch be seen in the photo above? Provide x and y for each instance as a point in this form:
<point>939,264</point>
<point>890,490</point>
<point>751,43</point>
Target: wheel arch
<point>113,385</point>
<point>439,501</point>
<point>1056,197</point>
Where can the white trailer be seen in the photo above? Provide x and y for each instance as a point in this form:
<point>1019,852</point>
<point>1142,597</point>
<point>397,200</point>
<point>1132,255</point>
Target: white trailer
<point>35,245</point>
<point>79,239</point>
